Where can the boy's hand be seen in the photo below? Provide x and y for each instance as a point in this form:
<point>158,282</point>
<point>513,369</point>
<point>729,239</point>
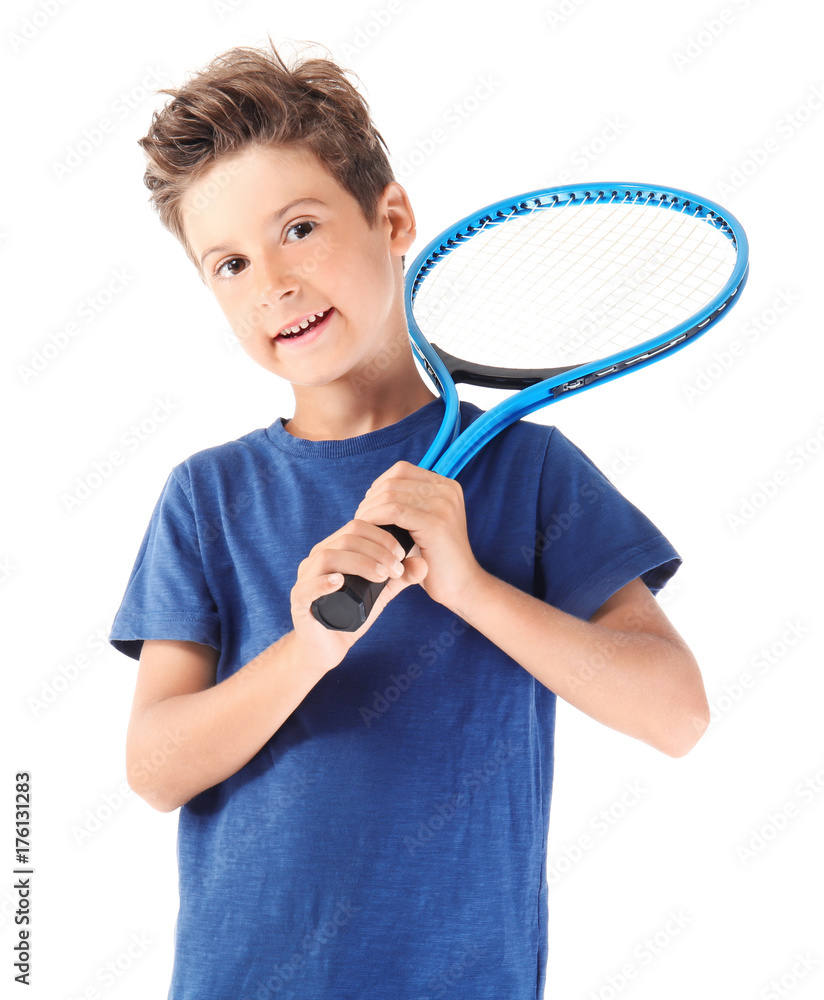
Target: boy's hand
<point>431,508</point>
<point>360,549</point>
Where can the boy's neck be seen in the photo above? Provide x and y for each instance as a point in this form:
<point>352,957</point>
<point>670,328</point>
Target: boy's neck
<point>327,416</point>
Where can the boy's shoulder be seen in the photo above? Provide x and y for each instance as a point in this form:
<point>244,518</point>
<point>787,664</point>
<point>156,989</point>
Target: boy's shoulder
<point>225,456</point>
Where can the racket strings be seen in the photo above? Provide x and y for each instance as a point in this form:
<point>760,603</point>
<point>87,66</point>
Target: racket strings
<point>567,283</point>
<point>581,267</point>
<point>599,247</point>
<point>514,251</point>
<point>693,246</point>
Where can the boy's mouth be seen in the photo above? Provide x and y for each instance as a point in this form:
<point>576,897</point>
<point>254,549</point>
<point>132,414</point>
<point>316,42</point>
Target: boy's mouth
<point>305,325</point>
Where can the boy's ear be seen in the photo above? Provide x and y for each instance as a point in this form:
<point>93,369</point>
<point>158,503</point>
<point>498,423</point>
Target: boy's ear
<point>396,209</point>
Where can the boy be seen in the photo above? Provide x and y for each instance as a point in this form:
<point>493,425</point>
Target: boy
<point>364,815</point>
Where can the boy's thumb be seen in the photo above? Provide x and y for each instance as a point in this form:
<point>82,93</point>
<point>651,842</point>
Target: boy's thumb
<point>415,569</point>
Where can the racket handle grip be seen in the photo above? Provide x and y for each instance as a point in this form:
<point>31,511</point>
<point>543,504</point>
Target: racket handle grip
<point>348,607</point>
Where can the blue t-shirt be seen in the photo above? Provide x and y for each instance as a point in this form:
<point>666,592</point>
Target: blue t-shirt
<point>390,838</point>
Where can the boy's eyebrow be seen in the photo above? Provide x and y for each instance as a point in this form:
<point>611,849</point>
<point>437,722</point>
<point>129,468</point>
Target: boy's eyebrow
<point>274,217</point>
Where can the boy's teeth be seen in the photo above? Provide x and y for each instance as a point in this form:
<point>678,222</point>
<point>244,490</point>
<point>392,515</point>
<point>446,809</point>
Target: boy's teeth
<point>303,324</point>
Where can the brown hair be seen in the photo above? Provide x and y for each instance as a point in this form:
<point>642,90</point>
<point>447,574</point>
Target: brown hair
<point>250,97</point>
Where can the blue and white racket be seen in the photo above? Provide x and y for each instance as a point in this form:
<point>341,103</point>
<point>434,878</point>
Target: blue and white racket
<point>550,293</point>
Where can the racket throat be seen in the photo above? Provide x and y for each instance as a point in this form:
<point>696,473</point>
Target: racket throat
<point>496,378</point>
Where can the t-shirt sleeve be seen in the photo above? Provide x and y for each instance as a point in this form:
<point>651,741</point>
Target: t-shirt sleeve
<point>167,596</point>
<point>590,540</point>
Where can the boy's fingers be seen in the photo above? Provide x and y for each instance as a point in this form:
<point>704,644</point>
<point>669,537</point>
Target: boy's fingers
<point>379,535</point>
<point>383,553</point>
<point>415,568</point>
<point>412,476</point>
<point>353,554</point>
<point>355,564</point>
<point>379,540</point>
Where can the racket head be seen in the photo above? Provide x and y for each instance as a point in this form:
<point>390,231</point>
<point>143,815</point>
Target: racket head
<point>627,273</point>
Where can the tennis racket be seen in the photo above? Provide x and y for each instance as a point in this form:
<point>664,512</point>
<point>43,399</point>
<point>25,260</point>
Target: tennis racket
<point>550,293</point>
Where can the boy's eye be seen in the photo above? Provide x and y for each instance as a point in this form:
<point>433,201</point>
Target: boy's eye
<point>303,229</point>
<point>221,273</point>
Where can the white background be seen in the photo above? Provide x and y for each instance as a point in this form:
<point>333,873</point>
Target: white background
<point>635,91</point>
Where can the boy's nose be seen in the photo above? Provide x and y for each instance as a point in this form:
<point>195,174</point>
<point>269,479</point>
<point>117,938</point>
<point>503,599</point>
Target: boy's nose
<point>274,284</point>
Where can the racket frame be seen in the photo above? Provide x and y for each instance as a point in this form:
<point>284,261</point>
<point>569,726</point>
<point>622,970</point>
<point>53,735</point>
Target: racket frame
<point>348,608</point>
<point>539,387</point>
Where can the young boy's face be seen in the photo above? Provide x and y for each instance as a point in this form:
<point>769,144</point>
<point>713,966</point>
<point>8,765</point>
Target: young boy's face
<point>293,243</point>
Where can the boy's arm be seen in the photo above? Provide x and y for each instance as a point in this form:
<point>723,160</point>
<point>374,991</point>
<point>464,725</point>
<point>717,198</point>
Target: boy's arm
<point>626,667</point>
<point>187,733</point>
